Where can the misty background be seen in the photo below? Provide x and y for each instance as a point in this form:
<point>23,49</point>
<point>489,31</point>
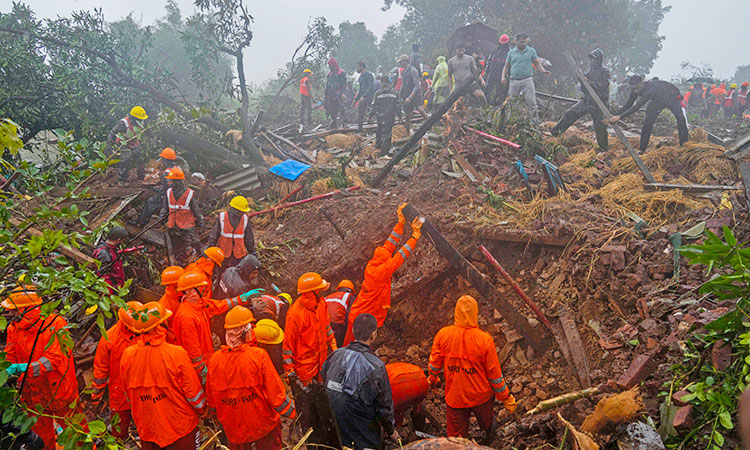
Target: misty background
<point>713,32</point>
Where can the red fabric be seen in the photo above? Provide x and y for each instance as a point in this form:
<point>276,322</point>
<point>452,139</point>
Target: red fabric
<point>132,142</point>
<point>271,441</point>
<point>304,86</point>
<point>337,304</point>
<point>458,418</point>
<point>107,365</point>
<point>409,387</point>
<point>165,393</point>
<point>375,296</point>
<point>742,97</point>
<point>180,214</point>
<point>247,393</point>
<point>399,79</point>
<point>190,441</point>
<point>125,419</point>
<point>267,307</point>
<point>171,301</point>
<point>233,246</point>
<point>473,372</point>
<point>334,66</point>
<point>45,427</point>
<point>52,373</point>
<point>115,275</point>
<point>307,336</point>
<point>729,98</point>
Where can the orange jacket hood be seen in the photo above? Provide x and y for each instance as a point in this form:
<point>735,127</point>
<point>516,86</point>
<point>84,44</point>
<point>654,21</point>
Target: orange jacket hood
<point>379,256</point>
<point>466,312</point>
<point>309,301</point>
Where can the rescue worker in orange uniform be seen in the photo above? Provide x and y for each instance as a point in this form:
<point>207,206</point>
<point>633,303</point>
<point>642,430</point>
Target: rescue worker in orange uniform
<point>375,294</point>
<point>165,394</point>
<point>45,369</point>
<point>338,306</point>
<point>169,159</point>
<point>307,338</point>
<point>742,98</point>
<point>305,94</point>
<point>473,377</point>
<point>192,322</point>
<point>409,387</point>
<point>270,307</point>
<point>183,215</point>
<point>172,297</point>
<point>212,257</point>
<point>233,232</point>
<point>730,101</point>
<point>243,387</point>
<point>107,368</point>
<point>125,137</point>
<point>718,94</point>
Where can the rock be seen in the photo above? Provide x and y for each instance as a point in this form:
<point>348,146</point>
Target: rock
<point>683,418</point>
<point>648,324</point>
<point>541,394</point>
<point>677,398</point>
<point>640,436</point>
<point>721,355</point>
<point>559,279</point>
<point>618,259</point>
<point>413,352</point>
<point>639,369</point>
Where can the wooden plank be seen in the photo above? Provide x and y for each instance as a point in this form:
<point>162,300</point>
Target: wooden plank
<point>618,131</point>
<point>64,249</point>
<point>536,338</point>
<point>739,149</point>
<point>423,129</point>
<point>144,295</point>
<point>103,192</point>
<point>577,350</point>
<point>694,188</point>
<point>745,172</point>
<point>275,149</point>
<point>494,234</point>
<point>305,154</point>
<point>151,236</point>
<point>114,210</point>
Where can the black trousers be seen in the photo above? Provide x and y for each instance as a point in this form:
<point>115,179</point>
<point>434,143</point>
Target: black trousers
<point>182,239</point>
<point>357,430</point>
<point>579,110</point>
<point>314,410</point>
<point>362,107</point>
<point>334,108</point>
<point>495,90</point>
<point>128,159</point>
<point>384,135</point>
<point>305,110</point>
<point>151,206</point>
<point>652,113</point>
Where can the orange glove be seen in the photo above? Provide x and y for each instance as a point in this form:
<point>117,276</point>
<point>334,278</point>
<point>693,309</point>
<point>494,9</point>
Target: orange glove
<point>433,381</point>
<point>510,404</point>
<point>96,397</point>
<point>399,211</point>
<point>416,227</point>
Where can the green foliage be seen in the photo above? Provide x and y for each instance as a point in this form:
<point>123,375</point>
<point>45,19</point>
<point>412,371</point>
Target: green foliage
<point>497,201</point>
<point>742,74</point>
<point>64,285</point>
<point>356,43</point>
<point>9,140</point>
<point>714,393</point>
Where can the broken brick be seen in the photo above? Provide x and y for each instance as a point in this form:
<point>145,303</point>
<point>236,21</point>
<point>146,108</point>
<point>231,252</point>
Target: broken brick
<point>683,418</point>
<point>639,369</point>
<point>677,398</point>
<point>721,355</point>
<point>618,260</point>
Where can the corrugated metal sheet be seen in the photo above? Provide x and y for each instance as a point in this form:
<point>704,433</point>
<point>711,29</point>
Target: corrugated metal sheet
<point>245,179</point>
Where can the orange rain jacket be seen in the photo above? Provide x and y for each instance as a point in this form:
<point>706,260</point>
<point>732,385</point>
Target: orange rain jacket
<point>307,336</point>
<point>192,325</point>
<point>171,301</point>
<point>206,265</point>
<point>246,392</point>
<point>107,365</point>
<point>375,296</point>
<point>165,394</point>
<point>408,385</point>
<point>52,372</point>
<point>473,372</point>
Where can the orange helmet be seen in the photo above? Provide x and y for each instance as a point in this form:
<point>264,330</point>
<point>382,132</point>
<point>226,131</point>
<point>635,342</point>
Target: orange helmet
<point>191,279</point>
<point>171,275</point>
<point>239,316</point>
<point>345,284</point>
<point>175,174</point>
<point>149,316</point>
<point>311,281</point>
<point>125,314</point>
<point>215,254</point>
<point>168,153</point>
<point>745,84</point>
<point>22,297</point>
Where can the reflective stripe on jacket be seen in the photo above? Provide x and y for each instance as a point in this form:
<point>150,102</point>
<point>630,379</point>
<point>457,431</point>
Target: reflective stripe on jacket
<point>232,239</point>
<point>247,393</point>
<point>337,304</point>
<point>107,365</point>
<point>304,86</point>
<point>165,394</point>
<point>180,214</point>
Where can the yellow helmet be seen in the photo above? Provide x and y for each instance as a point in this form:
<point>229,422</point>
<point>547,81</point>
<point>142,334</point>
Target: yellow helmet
<point>286,297</point>
<point>268,332</point>
<point>240,203</point>
<point>139,113</point>
<point>733,86</point>
<point>307,71</point>
<point>425,74</point>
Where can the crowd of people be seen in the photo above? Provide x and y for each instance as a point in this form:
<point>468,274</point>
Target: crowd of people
<point>162,372</point>
<point>707,101</point>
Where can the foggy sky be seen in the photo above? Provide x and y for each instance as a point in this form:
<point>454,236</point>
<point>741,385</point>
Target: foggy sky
<point>714,32</point>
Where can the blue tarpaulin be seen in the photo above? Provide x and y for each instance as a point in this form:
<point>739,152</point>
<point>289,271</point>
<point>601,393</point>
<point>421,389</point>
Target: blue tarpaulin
<point>289,169</point>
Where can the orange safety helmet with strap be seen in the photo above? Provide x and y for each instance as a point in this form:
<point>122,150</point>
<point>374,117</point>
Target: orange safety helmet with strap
<point>180,214</point>
<point>232,239</point>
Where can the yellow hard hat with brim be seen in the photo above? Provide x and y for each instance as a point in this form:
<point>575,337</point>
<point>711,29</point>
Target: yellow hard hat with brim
<point>268,332</point>
<point>139,113</point>
<point>240,203</point>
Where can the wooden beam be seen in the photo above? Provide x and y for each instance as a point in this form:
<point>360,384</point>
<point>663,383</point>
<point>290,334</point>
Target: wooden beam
<point>745,172</point>
<point>536,338</point>
<point>155,237</point>
<point>423,129</point>
<point>113,211</point>
<point>494,234</point>
<point>740,148</point>
<point>306,155</point>
<point>692,188</point>
<point>64,249</point>
<point>577,349</point>
<point>633,154</point>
